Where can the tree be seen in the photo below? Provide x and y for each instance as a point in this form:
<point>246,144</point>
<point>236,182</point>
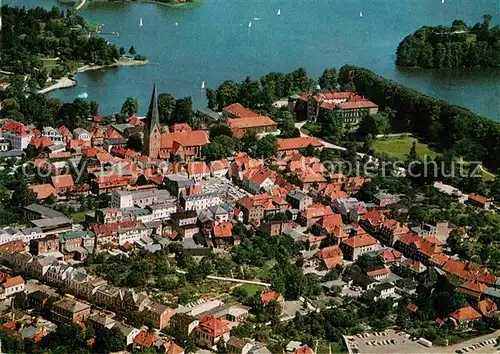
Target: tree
<point>266,147</point>
<point>286,124</point>
<point>211,98</point>
<point>166,105</point>
<point>227,93</point>
<point>94,108</point>
<point>412,155</point>
<point>332,127</point>
<point>220,147</point>
<point>183,110</point>
<point>328,80</point>
<point>130,106</point>
<point>121,51</point>
<point>132,51</point>
<point>220,129</point>
<point>109,340</point>
<point>134,142</point>
<point>22,195</point>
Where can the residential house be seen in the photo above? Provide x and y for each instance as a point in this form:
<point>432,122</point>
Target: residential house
<point>69,311</point>
<point>184,223</point>
<point>17,134</point>
<point>237,345</point>
<point>184,323</point>
<point>418,248</point>
<point>314,213</point>
<point>127,331</point>
<point>211,330</point>
<point>100,321</point>
<point>157,315</point>
<point>472,289</point>
<point>487,307</point>
<point>202,201</point>
<point>63,183</point>
<point>294,144</point>
<point>53,134</point>
<point>330,257</point>
<point>82,134</point>
<point>378,273</point>
<point>219,168</point>
<point>356,245</point>
<point>383,199</point>
<point>43,191</point>
<point>197,170</point>
<point>257,207</point>
<point>11,285</point>
<point>223,235</point>
<point>46,245</point>
<point>248,120</point>
<point>478,201</point>
<point>38,300</point>
<point>268,295</point>
<point>384,290</point>
<point>464,317</point>
<point>389,255</point>
<point>299,200</point>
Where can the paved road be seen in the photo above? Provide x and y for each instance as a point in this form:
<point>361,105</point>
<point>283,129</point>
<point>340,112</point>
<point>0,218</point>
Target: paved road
<point>325,143</point>
<point>232,280</point>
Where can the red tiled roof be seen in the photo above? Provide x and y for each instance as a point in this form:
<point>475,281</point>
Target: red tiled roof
<point>297,143</point>
<point>487,306</point>
<point>360,241</point>
<point>62,181</point>
<point>64,131</point>
<point>269,295</point>
<point>478,198</point>
<point>329,252</point>
<point>219,165</point>
<point>173,348</point>
<point>304,350</point>
<point>374,217</point>
<point>224,229</point>
<point>250,122</point>
<point>197,168</point>
<point>357,104</point>
<point>14,281</point>
<point>317,210</point>
<point>213,327</point>
<point>15,246</point>
<point>178,127</point>
<point>390,255</point>
<point>376,272</point>
<point>239,110</point>
<point>186,139</point>
<point>16,127</point>
<point>145,339</point>
<point>412,307</point>
<point>112,133</point>
<point>43,191</point>
<point>135,121</point>
<point>472,288</point>
<point>465,314</point>
<point>41,142</point>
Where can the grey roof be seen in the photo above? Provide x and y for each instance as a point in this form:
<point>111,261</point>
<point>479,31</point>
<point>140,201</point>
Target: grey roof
<point>210,113</point>
<point>180,180</point>
<point>122,126</point>
<point>101,319</point>
<point>30,230</point>
<point>124,328</point>
<point>297,195</point>
<point>200,196</point>
<point>152,248</point>
<point>57,147</point>
<point>45,261</point>
<point>493,292</point>
<point>11,230</point>
<point>43,211</point>
<point>161,206</point>
<point>261,350</point>
<point>12,153</point>
<point>60,220</point>
<point>28,332</point>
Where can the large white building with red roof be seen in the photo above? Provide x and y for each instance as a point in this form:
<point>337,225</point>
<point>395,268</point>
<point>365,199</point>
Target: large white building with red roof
<point>244,119</point>
<point>18,134</point>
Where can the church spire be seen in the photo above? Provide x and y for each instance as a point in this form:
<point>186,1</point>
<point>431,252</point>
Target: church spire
<point>153,115</point>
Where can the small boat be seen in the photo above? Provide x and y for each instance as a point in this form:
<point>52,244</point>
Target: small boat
<point>256,19</point>
<point>83,96</point>
<point>442,1</point>
<point>250,24</point>
<point>140,22</point>
<point>203,85</point>
<point>279,12</point>
<point>360,14</point>
<point>177,24</point>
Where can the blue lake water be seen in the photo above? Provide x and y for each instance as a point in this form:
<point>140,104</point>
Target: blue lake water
<point>212,42</point>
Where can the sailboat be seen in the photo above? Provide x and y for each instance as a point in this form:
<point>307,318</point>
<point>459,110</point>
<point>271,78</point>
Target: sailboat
<point>250,24</point>
<point>279,12</point>
<point>360,14</point>
<point>203,85</point>
<point>442,1</point>
<point>177,23</point>
<point>140,22</point>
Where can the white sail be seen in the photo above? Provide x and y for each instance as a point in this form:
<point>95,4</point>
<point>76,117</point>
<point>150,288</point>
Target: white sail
<point>442,1</point>
<point>203,85</point>
<point>177,24</point>
<point>140,22</point>
<point>360,14</point>
<point>250,24</point>
<point>279,12</point>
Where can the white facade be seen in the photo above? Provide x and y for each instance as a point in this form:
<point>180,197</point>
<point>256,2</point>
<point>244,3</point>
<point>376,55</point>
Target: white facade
<point>121,199</point>
<point>82,134</point>
<point>131,235</point>
<point>220,172</point>
<point>255,188</point>
<point>199,202</point>
<point>11,290</point>
<point>53,134</point>
<point>17,141</point>
<point>162,211</point>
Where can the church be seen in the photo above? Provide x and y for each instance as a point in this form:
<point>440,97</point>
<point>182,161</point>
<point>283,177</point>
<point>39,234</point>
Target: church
<point>180,140</point>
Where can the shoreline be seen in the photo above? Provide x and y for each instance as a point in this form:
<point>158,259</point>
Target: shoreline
<point>68,81</point>
<point>179,5</point>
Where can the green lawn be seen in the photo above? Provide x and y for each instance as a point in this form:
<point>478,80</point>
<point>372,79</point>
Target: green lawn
<point>399,147</point>
<point>49,63</point>
<point>79,216</point>
<point>252,289</point>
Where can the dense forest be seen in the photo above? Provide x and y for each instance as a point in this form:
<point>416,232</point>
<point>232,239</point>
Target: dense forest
<point>452,47</point>
<point>446,126</point>
<point>34,38</point>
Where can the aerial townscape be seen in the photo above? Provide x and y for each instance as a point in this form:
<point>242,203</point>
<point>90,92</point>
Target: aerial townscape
<point>344,214</point>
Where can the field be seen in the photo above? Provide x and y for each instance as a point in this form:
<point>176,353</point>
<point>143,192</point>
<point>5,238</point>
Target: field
<point>49,63</point>
<point>400,146</point>
<point>252,289</point>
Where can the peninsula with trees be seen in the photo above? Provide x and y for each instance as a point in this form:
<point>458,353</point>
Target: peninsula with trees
<point>44,46</point>
<point>452,47</point>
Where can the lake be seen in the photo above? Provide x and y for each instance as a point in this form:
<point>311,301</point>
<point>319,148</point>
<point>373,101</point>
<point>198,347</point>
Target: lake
<point>212,43</point>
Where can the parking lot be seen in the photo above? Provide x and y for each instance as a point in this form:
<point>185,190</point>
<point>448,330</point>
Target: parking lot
<point>391,342</point>
<point>227,189</point>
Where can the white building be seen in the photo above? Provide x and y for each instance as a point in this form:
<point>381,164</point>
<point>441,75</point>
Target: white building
<point>132,234</point>
<point>199,202</point>
<point>10,234</point>
<point>141,199</point>
<point>82,134</point>
<point>53,134</point>
<point>12,286</point>
<point>32,233</point>
<point>162,211</point>
<point>219,168</point>
<point>17,134</point>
